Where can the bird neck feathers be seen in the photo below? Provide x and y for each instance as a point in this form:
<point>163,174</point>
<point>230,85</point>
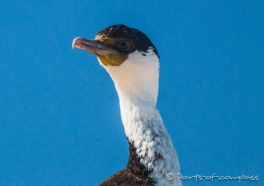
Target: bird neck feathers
<point>136,81</point>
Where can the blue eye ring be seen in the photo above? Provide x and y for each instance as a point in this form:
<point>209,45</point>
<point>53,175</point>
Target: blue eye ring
<point>124,45</point>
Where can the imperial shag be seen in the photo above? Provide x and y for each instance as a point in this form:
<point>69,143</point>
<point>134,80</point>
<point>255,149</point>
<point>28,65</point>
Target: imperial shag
<point>132,61</point>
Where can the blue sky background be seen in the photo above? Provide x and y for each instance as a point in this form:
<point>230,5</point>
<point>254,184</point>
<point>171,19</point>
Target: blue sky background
<point>59,111</point>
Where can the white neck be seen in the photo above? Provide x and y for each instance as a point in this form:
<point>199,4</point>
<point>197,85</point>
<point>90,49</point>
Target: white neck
<point>136,81</point>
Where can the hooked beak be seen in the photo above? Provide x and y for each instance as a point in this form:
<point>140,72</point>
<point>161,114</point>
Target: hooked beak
<point>94,46</point>
<point>106,54</point>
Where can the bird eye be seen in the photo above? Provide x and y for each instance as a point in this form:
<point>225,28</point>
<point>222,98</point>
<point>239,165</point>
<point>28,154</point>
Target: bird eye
<point>124,45</point>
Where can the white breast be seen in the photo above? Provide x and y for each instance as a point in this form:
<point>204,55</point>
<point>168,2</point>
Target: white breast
<point>136,81</point>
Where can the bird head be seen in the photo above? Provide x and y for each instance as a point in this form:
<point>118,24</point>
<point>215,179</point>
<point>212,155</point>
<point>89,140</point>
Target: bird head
<point>129,57</point>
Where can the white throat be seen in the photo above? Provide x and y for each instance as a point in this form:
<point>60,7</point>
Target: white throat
<point>136,82</point>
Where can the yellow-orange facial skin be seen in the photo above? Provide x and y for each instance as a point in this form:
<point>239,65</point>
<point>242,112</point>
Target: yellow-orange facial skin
<point>104,48</point>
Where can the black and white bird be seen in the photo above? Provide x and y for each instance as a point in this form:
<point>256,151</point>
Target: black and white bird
<point>132,61</point>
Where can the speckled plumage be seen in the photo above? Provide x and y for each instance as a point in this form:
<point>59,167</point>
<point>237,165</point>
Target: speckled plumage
<point>135,174</point>
<point>136,82</point>
<point>135,73</point>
